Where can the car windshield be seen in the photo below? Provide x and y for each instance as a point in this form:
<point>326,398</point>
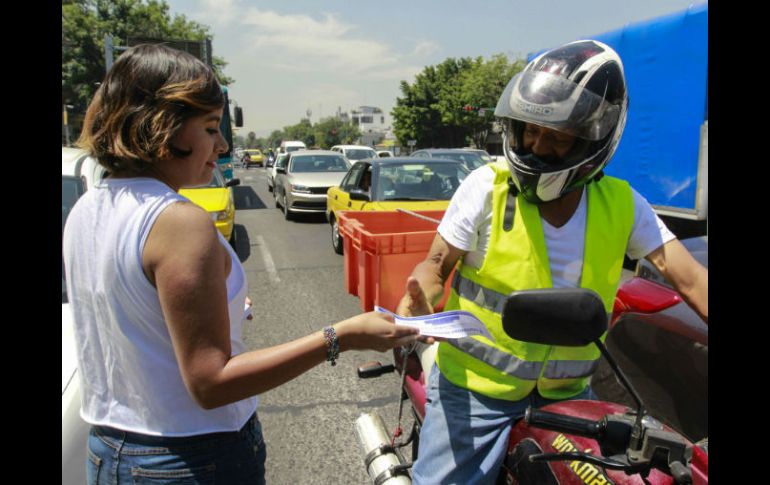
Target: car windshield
<point>470,159</point>
<point>419,181</point>
<point>318,163</point>
<point>71,190</point>
<point>486,157</point>
<point>281,160</point>
<point>360,154</point>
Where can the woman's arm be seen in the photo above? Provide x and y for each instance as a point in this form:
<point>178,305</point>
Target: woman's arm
<point>186,262</point>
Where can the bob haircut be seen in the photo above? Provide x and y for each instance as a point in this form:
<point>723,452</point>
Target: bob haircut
<point>147,95</point>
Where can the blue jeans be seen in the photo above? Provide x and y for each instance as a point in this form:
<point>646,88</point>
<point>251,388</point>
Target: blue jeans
<point>464,437</point>
<point>237,457</point>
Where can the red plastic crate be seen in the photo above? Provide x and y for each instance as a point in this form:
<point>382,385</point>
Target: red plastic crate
<point>381,249</point>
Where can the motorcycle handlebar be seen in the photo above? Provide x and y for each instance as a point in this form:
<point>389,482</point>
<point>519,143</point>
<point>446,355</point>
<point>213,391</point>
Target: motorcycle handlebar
<point>564,424</point>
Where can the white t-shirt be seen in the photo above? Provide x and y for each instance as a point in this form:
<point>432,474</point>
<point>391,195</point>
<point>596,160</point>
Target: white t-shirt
<point>129,376</point>
<point>467,225</point>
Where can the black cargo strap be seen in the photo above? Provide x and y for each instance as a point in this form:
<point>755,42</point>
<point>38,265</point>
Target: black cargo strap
<point>510,206</point>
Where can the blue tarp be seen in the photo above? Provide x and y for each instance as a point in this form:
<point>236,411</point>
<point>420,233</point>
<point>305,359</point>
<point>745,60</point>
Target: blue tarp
<point>666,66</point>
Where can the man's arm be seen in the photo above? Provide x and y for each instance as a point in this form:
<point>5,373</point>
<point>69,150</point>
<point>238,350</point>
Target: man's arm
<point>685,274</point>
<point>425,286</point>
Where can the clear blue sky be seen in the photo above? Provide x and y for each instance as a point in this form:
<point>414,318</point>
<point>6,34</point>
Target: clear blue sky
<point>288,56</point>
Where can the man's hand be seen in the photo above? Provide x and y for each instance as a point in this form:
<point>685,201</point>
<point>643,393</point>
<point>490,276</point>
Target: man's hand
<point>414,303</point>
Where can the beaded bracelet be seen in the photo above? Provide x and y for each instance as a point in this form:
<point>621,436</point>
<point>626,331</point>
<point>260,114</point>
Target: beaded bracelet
<point>332,345</point>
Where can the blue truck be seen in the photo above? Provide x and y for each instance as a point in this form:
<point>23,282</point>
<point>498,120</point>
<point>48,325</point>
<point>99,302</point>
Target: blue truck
<point>664,149</point>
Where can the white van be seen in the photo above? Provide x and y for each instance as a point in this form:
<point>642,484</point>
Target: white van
<point>354,153</point>
<point>291,146</point>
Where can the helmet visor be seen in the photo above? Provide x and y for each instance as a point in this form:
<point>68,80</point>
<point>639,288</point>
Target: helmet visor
<point>556,102</point>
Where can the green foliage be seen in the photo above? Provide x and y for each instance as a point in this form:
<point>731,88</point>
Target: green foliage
<point>333,131</point>
<point>430,110</point>
<point>86,22</point>
<point>324,134</point>
<point>251,140</point>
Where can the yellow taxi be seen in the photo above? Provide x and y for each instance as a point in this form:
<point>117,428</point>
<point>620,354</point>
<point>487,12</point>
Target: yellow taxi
<point>255,156</point>
<point>216,198</point>
<point>387,184</point>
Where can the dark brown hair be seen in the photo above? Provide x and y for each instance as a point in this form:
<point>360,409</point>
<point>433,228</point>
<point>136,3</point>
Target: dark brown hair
<point>144,99</point>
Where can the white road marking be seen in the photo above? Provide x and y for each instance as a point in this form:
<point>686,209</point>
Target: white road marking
<point>268,259</point>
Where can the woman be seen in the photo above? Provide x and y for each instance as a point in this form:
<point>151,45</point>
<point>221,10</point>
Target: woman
<point>158,295</point>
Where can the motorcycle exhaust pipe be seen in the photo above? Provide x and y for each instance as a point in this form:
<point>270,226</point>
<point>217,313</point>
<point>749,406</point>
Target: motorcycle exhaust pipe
<point>383,464</point>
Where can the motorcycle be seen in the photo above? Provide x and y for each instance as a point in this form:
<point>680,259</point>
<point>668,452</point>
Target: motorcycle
<point>569,442</point>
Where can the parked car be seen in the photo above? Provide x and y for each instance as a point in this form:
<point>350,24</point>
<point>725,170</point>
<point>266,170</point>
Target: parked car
<point>216,198</point>
<point>354,153</point>
<point>256,157</point>
<point>482,153</point>
<point>470,158</point>
<point>387,184</point>
<point>664,355</point>
<point>301,185</point>
<point>79,174</point>
<point>271,173</point>
<point>384,153</point>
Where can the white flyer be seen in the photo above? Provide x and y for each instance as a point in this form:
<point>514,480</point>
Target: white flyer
<point>452,324</point>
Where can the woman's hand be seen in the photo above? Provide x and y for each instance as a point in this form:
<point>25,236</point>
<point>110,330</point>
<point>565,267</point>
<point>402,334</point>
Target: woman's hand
<point>375,331</point>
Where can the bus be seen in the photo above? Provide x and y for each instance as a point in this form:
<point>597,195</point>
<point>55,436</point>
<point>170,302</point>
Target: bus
<point>226,127</point>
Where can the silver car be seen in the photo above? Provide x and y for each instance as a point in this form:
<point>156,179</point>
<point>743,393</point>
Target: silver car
<point>301,184</point>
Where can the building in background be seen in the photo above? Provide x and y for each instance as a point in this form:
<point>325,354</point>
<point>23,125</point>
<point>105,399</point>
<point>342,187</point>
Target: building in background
<point>373,123</point>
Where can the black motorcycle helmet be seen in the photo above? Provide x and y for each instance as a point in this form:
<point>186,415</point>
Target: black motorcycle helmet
<point>578,89</point>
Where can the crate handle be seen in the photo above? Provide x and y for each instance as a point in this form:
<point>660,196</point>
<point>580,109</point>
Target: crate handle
<point>430,219</point>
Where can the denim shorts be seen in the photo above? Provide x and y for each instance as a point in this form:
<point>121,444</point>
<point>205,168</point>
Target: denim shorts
<point>116,456</point>
<point>464,436</point>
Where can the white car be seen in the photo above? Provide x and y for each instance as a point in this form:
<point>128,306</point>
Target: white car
<point>384,154</point>
<point>355,153</point>
<point>79,173</point>
<point>271,171</point>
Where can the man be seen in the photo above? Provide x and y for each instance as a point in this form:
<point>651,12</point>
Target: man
<point>546,217</point>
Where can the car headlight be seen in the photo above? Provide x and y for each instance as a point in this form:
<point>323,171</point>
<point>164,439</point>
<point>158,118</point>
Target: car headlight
<point>302,189</point>
<point>219,216</point>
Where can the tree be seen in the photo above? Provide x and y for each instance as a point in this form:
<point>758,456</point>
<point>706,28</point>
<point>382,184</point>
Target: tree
<point>302,131</point>
<point>430,110</point>
<point>482,87</point>
<point>333,131</point>
<point>251,140</point>
<point>275,139</point>
<point>86,22</point>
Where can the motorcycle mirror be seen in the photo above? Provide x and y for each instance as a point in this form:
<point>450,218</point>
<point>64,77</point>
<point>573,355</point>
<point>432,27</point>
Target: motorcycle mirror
<point>570,317</point>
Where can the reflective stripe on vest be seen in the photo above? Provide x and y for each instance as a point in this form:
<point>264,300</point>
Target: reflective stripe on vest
<point>503,361</point>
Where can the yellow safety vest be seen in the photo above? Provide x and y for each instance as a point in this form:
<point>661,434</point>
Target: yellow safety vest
<point>517,259</point>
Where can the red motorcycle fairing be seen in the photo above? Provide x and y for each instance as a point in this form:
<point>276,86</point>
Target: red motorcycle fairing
<point>575,472</point>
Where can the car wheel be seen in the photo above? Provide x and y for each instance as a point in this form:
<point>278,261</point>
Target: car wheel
<point>286,212</point>
<point>275,198</point>
<point>336,236</point>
